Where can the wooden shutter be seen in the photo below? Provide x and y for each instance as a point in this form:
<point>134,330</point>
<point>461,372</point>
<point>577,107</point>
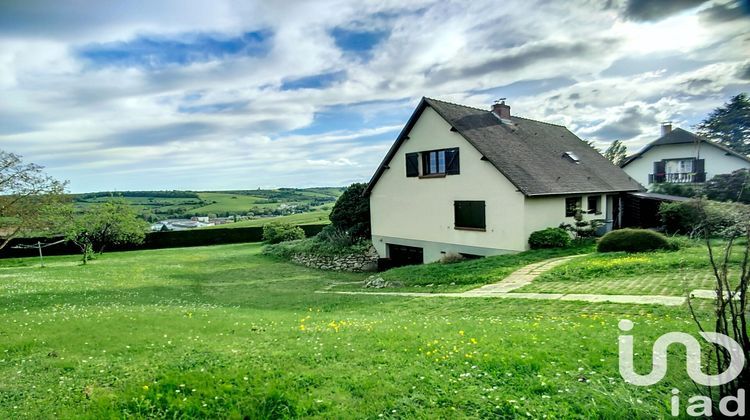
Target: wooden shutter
<point>469,214</point>
<point>452,162</point>
<point>659,168</point>
<point>412,164</point>
<point>699,167</point>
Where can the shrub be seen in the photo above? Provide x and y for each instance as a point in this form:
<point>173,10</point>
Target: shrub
<point>549,238</point>
<point>451,258</point>
<point>351,213</point>
<point>335,237</point>
<point>276,232</point>
<point>696,217</point>
<point>680,217</point>
<point>633,240</point>
<point>314,246</point>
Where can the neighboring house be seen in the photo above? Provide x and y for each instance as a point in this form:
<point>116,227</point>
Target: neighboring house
<point>465,180</point>
<point>679,156</point>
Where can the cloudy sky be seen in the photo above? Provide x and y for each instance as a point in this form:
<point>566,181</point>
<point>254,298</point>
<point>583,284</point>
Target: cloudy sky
<point>224,94</point>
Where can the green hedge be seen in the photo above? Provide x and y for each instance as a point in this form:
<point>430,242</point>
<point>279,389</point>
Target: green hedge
<point>157,240</point>
<point>633,240</point>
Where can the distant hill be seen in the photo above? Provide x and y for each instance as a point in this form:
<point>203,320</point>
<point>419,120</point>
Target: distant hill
<point>159,205</point>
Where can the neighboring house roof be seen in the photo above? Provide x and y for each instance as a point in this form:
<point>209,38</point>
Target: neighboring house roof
<point>680,136</point>
<point>530,154</point>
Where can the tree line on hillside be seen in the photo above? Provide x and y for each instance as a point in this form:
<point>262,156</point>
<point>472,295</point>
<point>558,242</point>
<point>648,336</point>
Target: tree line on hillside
<point>155,194</point>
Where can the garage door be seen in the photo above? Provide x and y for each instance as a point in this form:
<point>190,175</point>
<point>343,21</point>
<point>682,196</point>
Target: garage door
<point>401,255</point>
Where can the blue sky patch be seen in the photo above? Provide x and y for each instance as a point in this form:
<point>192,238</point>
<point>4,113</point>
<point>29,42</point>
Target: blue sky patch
<point>153,52</point>
<point>357,42</point>
<point>318,81</point>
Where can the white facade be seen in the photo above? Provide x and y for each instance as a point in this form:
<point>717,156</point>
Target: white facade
<point>419,212</point>
<point>717,160</point>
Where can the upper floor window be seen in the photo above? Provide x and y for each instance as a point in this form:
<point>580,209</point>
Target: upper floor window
<point>679,166</point>
<point>433,163</point>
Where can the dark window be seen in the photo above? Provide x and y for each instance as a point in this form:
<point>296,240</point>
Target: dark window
<point>572,205</point>
<point>469,214</point>
<point>593,204</point>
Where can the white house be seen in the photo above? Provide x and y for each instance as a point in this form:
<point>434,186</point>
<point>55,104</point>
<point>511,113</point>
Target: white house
<point>679,156</point>
<point>465,180</point>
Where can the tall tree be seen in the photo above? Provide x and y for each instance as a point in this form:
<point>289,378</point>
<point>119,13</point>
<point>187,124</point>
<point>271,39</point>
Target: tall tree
<point>616,152</point>
<point>351,213</point>
<point>28,198</point>
<point>729,124</point>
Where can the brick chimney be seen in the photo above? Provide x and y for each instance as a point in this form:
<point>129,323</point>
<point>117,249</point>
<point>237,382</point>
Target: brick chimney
<point>501,110</point>
<point>666,128</point>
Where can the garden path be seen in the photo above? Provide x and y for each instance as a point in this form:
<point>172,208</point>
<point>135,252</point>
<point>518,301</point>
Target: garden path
<point>526,275</point>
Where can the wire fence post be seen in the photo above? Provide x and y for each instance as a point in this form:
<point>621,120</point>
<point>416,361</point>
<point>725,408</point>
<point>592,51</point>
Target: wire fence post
<point>41,258</point>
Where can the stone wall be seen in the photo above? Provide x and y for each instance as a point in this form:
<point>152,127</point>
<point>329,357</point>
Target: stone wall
<point>350,262</point>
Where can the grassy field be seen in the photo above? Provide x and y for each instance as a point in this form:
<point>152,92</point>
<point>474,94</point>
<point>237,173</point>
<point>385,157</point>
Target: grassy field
<point>310,218</point>
<point>226,332</point>
<point>175,204</point>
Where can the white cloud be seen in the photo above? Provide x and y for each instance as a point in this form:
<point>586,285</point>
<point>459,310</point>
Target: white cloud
<point>226,123</point>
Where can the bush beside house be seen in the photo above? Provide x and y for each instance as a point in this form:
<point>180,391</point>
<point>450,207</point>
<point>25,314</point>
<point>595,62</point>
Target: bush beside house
<point>633,240</point>
<point>549,238</point>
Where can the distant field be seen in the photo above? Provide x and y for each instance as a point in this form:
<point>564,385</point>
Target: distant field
<point>311,218</point>
<point>156,205</point>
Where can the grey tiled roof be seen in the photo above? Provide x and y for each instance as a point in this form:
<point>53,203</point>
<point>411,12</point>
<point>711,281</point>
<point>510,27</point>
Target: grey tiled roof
<point>531,154</point>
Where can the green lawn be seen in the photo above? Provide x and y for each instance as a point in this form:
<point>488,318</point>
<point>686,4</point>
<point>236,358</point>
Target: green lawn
<point>657,273</point>
<point>226,332</point>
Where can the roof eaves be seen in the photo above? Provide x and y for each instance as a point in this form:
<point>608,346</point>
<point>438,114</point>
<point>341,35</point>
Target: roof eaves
<point>585,192</point>
<point>395,146</point>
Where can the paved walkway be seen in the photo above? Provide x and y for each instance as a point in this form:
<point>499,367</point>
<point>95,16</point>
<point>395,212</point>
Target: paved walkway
<point>527,274</point>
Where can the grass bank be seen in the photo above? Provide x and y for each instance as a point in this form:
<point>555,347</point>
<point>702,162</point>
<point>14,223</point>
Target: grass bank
<point>226,332</point>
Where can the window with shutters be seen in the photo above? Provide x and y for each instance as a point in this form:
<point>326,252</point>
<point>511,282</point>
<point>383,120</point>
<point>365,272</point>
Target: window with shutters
<point>433,163</point>
<point>469,215</point>
<point>679,166</point>
<point>681,170</point>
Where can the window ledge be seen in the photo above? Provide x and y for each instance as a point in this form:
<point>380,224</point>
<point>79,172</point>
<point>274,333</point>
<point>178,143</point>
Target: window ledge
<point>432,176</point>
<point>470,229</point>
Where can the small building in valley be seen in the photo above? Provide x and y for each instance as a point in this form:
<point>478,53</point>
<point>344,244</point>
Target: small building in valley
<point>471,181</point>
<point>681,157</point>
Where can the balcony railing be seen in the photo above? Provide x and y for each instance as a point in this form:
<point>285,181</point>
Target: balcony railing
<point>677,178</point>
